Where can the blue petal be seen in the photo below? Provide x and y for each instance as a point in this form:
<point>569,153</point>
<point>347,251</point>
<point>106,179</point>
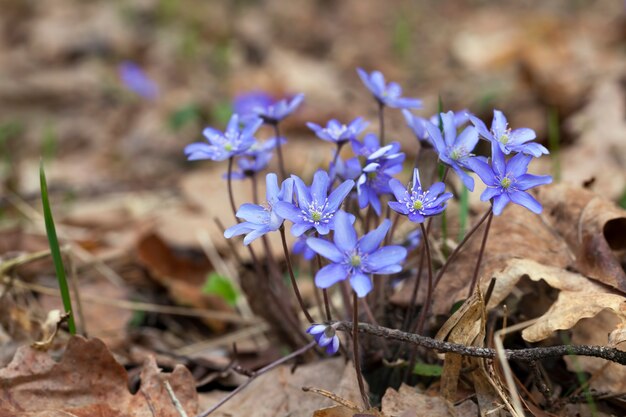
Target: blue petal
<point>437,188</point>
<point>499,202</point>
<point>255,234</point>
<point>286,191</point>
<point>522,135</point>
<point>238,229</point>
<point>322,228</point>
<point>302,193</point>
<point>316,329</point>
<point>390,269</point>
<point>435,136</point>
<point>526,200</point>
<point>416,217</point>
<point>333,347</point>
<point>490,192</point>
<point>481,127</point>
<point>319,187</point>
<point>299,228</point>
<point>325,248</point>
<point>345,235</point>
<point>498,125</point>
<point>385,256</point>
<point>449,129</point>
<point>483,170</point>
<point>373,239</point>
<point>252,213</point>
<point>468,138</point>
<point>329,275</point>
<point>361,284</point>
<point>398,190</point>
<point>288,211</point>
<point>398,207</point>
<point>339,194</point>
<point>271,187</point>
<point>497,159</point>
<point>518,165</point>
<point>526,181</point>
<point>535,149</point>
<point>233,123</point>
<point>467,180</point>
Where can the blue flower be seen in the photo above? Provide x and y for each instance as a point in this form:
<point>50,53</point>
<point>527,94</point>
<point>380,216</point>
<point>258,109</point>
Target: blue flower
<point>349,169</point>
<point>136,80</point>
<point>418,124</point>
<point>249,166</point>
<point>325,336</point>
<point>339,133</point>
<point>247,104</point>
<point>507,180</point>
<point>234,141</point>
<point>413,239</point>
<point>356,259</point>
<point>454,150</point>
<point>417,203</point>
<point>316,209</point>
<point>301,248</point>
<point>387,94</point>
<point>260,220</point>
<point>517,140</point>
<point>381,163</point>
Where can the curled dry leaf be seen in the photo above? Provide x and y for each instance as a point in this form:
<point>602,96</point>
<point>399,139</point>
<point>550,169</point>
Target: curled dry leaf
<point>408,399</point>
<point>579,297</point>
<point>86,382</point>
<point>593,227</point>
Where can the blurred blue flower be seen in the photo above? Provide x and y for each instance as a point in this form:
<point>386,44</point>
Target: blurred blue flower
<point>507,180</point>
<point>249,166</point>
<point>339,133</point>
<point>387,94</point>
<point>517,140</point>
<point>349,169</point>
<point>325,336</point>
<point>235,140</point>
<point>301,248</point>
<point>246,104</point>
<point>418,124</point>
<point>136,80</point>
<point>260,220</point>
<point>417,203</point>
<point>316,209</point>
<point>454,150</point>
<point>413,239</point>
<point>356,259</point>
<point>380,165</point>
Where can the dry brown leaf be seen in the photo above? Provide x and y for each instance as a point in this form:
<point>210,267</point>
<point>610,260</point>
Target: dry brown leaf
<point>409,399</point>
<point>182,276</point>
<point>87,382</point>
<point>593,228</point>
<point>605,376</point>
<point>579,298</point>
<point>279,392</point>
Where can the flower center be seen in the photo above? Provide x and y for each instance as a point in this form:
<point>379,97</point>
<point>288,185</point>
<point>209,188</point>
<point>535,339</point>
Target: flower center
<point>418,205</point>
<point>504,139</point>
<point>505,182</point>
<point>228,147</point>
<point>355,261</point>
<point>371,175</point>
<point>316,216</point>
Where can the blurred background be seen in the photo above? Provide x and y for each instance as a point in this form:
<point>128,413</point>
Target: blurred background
<point>128,201</point>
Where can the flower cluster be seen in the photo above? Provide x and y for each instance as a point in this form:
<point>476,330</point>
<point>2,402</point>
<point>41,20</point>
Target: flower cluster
<point>338,218</point>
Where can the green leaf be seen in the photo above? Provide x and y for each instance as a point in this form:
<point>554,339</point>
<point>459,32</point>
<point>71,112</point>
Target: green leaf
<point>55,250</point>
<point>427,369</point>
<point>184,115</point>
<point>221,286</point>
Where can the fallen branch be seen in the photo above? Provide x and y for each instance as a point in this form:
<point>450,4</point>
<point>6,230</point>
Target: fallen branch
<point>528,354</point>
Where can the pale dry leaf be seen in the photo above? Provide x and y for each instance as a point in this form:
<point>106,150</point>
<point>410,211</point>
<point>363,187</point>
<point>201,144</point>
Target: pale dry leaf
<point>281,391</point>
<point>579,298</point>
<point>605,376</point>
<point>88,381</point>
<point>406,399</point>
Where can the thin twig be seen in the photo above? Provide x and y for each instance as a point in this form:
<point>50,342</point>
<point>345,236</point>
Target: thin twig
<point>480,254</point>
<point>177,404</point>
<point>527,354</point>
<point>294,283</point>
<point>355,352</point>
<point>279,151</point>
<point>256,375</point>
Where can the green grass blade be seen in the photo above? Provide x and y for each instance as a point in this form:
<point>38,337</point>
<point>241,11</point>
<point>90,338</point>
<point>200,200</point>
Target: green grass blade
<point>554,139</point>
<point>56,251</point>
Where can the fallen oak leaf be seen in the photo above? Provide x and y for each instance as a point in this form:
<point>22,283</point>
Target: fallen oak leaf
<point>88,381</point>
<point>579,297</point>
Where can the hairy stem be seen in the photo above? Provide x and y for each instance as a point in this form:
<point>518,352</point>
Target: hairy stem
<point>294,283</point>
<point>480,254</point>
<point>355,352</point>
<point>279,151</point>
<point>381,121</point>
